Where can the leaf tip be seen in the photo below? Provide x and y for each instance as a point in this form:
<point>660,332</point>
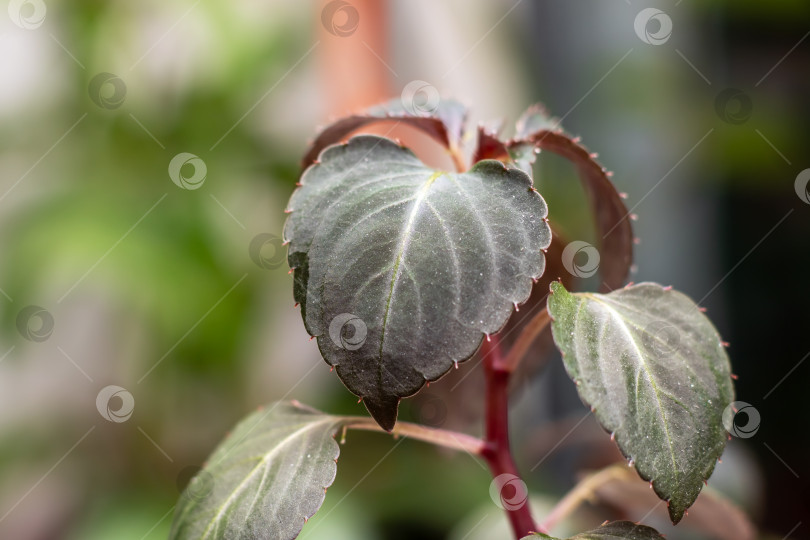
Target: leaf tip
<point>383,409</point>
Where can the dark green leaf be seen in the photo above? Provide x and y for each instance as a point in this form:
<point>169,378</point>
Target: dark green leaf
<point>617,530</point>
<point>265,480</point>
<point>444,123</point>
<point>401,270</point>
<point>656,373</point>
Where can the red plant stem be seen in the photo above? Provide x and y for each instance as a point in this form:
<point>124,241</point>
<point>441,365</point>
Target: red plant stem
<point>496,450</point>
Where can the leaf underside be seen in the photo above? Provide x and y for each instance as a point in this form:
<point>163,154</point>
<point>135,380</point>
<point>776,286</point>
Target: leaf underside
<point>265,480</point>
<point>401,270</point>
<point>656,373</point>
<point>617,530</point>
<point>445,125</point>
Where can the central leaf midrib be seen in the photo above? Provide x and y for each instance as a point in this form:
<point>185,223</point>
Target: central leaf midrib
<point>403,245</point>
<point>650,376</point>
<point>262,461</point>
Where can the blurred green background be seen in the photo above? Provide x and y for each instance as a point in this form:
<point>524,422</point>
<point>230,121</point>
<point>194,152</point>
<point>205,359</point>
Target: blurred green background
<point>165,292</point>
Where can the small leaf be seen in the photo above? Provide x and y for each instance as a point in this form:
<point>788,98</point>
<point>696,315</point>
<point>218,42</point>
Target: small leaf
<point>400,270</point>
<point>535,118</point>
<point>445,124</point>
<point>617,530</point>
<point>656,372</point>
<point>265,480</point>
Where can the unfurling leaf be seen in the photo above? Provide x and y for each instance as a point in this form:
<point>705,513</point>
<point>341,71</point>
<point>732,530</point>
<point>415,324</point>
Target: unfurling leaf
<point>444,123</point>
<point>656,373</point>
<point>617,530</point>
<point>401,270</point>
<point>265,480</point>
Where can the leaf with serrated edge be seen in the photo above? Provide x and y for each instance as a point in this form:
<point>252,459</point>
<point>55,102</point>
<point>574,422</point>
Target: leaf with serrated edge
<point>535,118</point>
<point>445,124</point>
<point>266,479</point>
<point>421,263</point>
<point>656,373</point>
<point>537,131</point>
<point>617,530</point>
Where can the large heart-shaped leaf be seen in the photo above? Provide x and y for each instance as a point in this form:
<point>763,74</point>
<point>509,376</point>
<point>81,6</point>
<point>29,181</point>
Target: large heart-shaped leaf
<point>618,530</point>
<point>656,373</point>
<point>400,270</point>
<point>444,122</point>
<point>265,480</point>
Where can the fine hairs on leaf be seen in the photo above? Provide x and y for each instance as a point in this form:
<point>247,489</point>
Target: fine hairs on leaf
<point>657,375</point>
<point>402,272</point>
<point>426,262</point>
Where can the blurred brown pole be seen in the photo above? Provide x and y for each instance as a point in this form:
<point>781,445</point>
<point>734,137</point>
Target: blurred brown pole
<point>356,71</point>
<point>353,35</point>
